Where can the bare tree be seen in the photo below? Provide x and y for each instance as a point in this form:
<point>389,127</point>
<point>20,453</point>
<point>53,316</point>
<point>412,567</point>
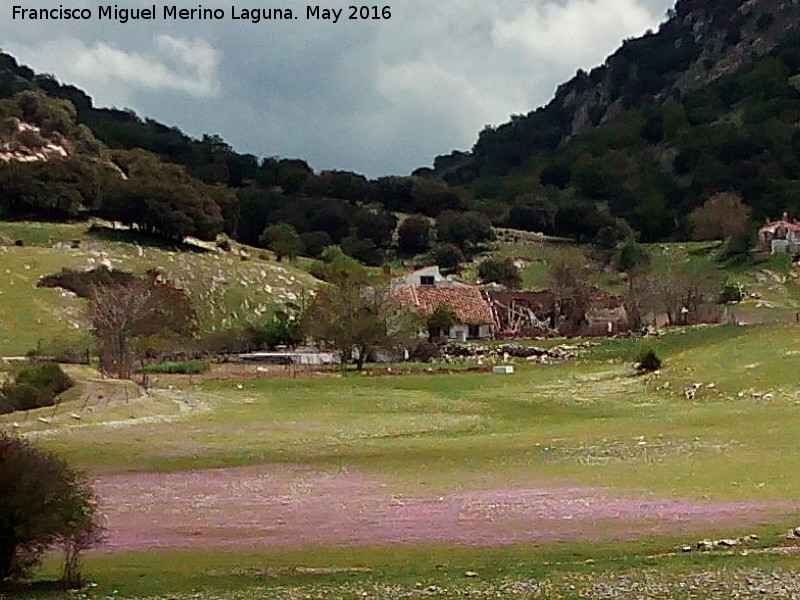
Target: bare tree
<point>634,259</point>
<point>119,313</point>
<point>723,216</point>
<point>684,295</point>
<point>572,294</point>
<point>116,311</point>
<point>90,534</point>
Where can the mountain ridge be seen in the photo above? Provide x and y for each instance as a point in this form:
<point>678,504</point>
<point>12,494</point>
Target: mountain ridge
<point>711,40</point>
<point>708,103</point>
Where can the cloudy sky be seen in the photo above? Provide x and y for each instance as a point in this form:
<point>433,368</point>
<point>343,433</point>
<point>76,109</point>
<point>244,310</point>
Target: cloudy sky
<point>377,97</point>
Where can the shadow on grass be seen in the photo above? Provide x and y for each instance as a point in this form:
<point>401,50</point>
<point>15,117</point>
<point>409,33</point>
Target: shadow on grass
<point>705,249</point>
<point>132,236</point>
<point>24,590</point>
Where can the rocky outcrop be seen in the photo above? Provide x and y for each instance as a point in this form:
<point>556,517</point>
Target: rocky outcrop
<point>708,41</point>
<point>699,42</point>
<point>23,142</point>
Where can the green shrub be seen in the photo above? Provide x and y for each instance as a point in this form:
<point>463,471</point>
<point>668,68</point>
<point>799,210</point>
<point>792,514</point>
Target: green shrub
<point>19,397</point>
<point>33,386</point>
<point>731,292</point>
<point>182,367</point>
<point>502,271</point>
<point>223,242</point>
<point>82,282</point>
<point>426,351</point>
<point>648,361</point>
<point>44,505</point>
<point>448,257</point>
<point>226,341</point>
<point>280,331</point>
<point>440,321</point>
<point>31,138</point>
<point>780,262</point>
<point>64,350</point>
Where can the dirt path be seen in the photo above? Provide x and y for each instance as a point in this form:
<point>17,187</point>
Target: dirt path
<point>287,506</point>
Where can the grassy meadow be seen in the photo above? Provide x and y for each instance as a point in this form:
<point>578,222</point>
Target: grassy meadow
<point>629,571</point>
<point>592,422</point>
<point>227,290</point>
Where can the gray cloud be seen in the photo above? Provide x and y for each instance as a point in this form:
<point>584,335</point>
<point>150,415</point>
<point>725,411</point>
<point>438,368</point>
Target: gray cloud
<point>376,97</point>
<point>185,64</point>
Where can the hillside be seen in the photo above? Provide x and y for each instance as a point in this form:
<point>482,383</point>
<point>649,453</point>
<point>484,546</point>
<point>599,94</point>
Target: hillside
<point>771,285</point>
<point>707,103</point>
<point>120,167</point>
<point>226,291</point>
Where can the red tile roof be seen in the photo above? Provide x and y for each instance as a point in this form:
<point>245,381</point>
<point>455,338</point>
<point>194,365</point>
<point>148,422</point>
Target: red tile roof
<point>468,302</point>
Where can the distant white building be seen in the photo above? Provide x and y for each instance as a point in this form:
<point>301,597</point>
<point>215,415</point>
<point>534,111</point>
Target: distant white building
<point>426,277</point>
<point>426,289</point>
<point>315,358</point>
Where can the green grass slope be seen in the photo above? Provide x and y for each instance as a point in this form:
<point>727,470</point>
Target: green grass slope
<point>771,283</point>
<point>224,289</point>
<point>593,422</point>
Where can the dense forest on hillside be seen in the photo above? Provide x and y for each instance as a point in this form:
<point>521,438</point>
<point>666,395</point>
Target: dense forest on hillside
<point>142,173</point>
<point>654,164</point>
<point>708,103</point>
